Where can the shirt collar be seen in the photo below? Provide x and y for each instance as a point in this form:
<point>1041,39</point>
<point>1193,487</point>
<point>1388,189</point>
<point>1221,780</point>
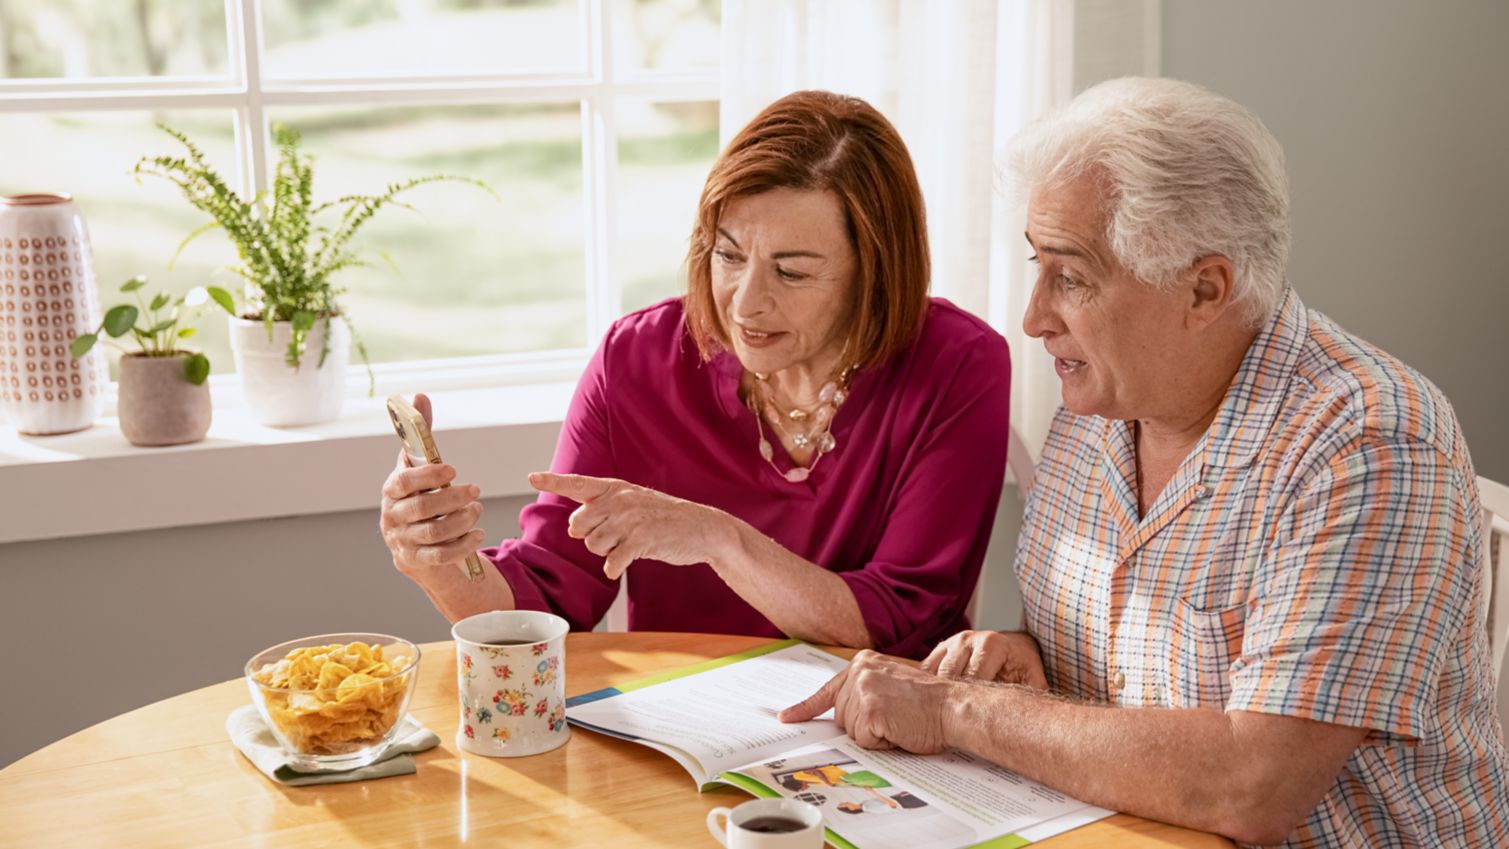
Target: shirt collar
<point>726,372</point>
<point>1248,413</point>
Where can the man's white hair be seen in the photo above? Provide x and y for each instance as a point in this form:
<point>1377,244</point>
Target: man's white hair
<point>1190,174</point>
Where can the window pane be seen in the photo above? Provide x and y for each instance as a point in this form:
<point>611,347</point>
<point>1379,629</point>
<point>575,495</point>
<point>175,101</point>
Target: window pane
<point>474,275</point>
<point>666,35</point>
<point>134,227</point>
<point>110,38</point>
<point>664,153</point>
<point>359,38</point>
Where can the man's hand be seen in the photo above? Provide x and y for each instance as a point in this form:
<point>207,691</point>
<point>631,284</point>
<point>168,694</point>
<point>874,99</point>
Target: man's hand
<point>1010,657</point>
<point>882,704</point>
<point>622,522</point>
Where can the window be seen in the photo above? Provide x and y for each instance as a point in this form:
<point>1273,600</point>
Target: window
<point>595,121</point>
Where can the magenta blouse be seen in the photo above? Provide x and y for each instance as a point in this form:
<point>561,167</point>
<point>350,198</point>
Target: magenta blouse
<point>901,509</point>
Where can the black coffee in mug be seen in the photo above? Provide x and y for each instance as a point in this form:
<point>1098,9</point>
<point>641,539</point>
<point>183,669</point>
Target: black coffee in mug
<point>507,642</point>
<point>772,825</point>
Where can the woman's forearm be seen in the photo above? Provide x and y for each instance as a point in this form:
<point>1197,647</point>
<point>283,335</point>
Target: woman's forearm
<point>801,598</point>
<point>457,598</point>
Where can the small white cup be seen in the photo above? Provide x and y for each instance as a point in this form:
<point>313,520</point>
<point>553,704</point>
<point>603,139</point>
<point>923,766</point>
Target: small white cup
<point>737,834</point>
<point>513,697</point>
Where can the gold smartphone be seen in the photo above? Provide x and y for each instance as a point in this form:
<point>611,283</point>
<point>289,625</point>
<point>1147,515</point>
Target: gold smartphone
<point>419,445</point>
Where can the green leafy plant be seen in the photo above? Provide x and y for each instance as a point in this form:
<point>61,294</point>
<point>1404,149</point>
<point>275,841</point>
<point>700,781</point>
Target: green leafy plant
<point>287,256</point>
<point>160,333</point>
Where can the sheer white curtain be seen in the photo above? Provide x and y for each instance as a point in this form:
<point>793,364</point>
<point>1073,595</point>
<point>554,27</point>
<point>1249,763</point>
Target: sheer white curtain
<point>958,78</point>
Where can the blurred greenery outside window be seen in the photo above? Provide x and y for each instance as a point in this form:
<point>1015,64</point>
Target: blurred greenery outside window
<point>598,168</point>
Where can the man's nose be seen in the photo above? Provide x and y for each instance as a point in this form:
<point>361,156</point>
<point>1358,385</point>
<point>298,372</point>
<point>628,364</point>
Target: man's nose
<point>1038,320</point>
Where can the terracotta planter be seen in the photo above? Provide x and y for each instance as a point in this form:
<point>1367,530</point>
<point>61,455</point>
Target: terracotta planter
<point>47,297</point>
<point>280,394</point>
<point>157,405</point>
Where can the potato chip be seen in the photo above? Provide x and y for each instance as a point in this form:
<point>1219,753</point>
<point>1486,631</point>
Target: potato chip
<point>333,699</point>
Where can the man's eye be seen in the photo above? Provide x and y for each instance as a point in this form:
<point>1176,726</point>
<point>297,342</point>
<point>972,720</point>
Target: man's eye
<point>1032,258</point>
<point>1069,283</point>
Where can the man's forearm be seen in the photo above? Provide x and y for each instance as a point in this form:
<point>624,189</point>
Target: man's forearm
<point>1185,766</point>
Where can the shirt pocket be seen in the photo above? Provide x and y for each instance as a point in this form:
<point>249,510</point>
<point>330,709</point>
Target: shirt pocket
<point>1203,646</point>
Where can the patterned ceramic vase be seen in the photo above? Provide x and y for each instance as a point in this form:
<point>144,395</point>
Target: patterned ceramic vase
<point>47,297</point>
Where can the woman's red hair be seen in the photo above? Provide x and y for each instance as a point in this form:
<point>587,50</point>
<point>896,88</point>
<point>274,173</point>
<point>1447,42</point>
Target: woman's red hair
<point>817,140</point>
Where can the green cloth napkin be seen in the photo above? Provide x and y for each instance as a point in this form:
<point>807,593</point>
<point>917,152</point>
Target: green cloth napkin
<point>252,736</point>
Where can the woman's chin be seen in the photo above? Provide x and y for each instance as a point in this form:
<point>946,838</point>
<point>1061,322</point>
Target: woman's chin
<point>758,360</point>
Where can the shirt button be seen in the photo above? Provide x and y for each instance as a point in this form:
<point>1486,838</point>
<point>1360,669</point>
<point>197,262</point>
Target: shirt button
<point>1202,493</point>
<point>1119,681</point>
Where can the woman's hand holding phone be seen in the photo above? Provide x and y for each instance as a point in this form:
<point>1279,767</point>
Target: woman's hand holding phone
<point>428,521</point>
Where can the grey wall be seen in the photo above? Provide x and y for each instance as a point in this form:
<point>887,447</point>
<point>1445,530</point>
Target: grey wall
<point>96,626</point>
<point>1394,115</point>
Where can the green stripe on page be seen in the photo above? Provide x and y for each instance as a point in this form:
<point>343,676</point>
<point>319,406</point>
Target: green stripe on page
<point>683,672</point>
<point>1005,841</point>
<point>743,782</point>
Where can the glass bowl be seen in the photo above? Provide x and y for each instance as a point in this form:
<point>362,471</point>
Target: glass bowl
<point>334,701</point>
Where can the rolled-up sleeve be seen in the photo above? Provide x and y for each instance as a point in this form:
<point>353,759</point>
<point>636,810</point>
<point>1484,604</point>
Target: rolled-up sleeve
<point>1351,614</point>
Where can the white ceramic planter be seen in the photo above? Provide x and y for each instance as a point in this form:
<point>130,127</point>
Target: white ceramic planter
<point>280,394</point>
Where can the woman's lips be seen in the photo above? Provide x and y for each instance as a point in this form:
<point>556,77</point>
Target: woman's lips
<point>758,338</point>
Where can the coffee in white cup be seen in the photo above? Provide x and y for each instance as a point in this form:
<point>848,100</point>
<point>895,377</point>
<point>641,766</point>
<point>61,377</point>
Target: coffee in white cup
<point>768,824</point>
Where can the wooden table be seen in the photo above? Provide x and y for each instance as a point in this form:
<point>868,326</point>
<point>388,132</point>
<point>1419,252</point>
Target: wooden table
<point>167,775</point>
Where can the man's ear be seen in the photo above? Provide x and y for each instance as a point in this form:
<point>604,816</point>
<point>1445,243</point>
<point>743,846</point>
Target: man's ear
<point>1212,289</point>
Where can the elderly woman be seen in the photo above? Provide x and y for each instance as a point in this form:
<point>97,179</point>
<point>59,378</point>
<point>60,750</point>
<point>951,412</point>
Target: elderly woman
<point>1249,557</point>
<point>803,445</point>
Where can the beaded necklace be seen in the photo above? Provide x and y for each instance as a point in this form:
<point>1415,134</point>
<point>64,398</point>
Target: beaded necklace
<point>820,437</point>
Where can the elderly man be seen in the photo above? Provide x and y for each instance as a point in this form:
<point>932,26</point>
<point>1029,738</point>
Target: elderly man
<point>1248,561</point>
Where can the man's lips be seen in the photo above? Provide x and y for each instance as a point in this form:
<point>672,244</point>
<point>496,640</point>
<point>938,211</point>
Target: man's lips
<point>1065,366</point>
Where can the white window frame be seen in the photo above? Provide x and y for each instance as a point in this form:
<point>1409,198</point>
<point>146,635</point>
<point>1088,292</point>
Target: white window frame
<point>248,95</point>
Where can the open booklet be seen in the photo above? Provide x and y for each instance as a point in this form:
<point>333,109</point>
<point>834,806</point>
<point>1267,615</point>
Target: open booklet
<point>718,720</point>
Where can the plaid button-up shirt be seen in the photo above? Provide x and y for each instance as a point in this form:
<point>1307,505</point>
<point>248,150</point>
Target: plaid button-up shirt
<point>1315,556</point>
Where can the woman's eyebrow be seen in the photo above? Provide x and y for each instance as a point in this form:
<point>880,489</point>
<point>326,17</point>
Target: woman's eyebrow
<point>781,255</point>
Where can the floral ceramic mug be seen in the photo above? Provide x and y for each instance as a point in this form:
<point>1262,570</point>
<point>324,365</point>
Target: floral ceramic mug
<point>511,678</point>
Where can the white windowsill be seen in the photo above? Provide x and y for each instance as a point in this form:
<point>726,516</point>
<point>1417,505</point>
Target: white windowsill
<point>95,482</point>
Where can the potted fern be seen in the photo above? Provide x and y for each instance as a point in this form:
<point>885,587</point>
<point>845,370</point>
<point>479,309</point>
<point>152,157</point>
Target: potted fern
<point>290,337</point>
